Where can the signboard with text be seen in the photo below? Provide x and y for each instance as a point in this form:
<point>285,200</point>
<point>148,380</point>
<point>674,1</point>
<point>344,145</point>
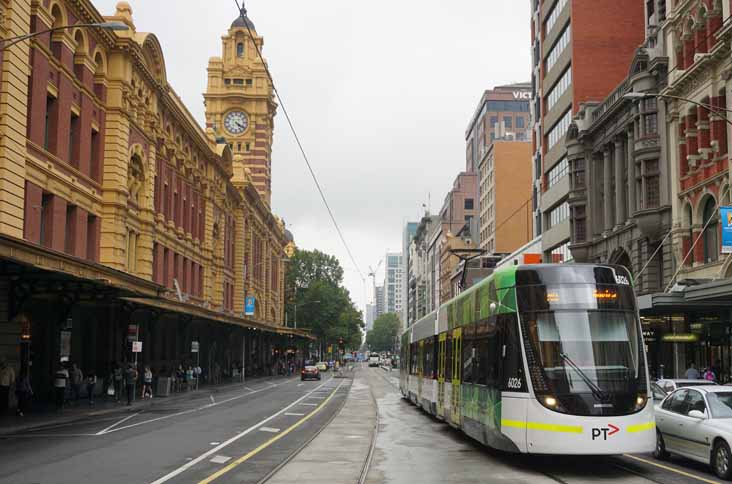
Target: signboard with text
<point>194,346</point>
<point>250,301</point>
<point>726,215</point>
<point>137,346</point>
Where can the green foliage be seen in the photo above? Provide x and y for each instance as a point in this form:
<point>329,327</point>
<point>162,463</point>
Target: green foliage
<point>316,295</point>
<point>383,336</point>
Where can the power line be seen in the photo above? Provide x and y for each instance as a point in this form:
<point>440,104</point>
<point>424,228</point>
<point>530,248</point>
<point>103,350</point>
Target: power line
<point>242,14</point>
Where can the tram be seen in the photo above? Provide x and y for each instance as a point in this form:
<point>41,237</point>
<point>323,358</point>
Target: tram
<point>540,359</point>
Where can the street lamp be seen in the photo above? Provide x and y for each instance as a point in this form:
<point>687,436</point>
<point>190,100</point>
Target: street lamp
<point>711,109</point>
<point>6,43</point>
<point>303,304</point>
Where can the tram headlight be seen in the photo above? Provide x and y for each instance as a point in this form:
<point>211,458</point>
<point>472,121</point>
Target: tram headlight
<point>640,401</point>
<point>550,401</point>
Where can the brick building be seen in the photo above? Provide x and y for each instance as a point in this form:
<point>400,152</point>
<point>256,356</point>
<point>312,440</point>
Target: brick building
<point>576,58</point>
<point>119,215</point>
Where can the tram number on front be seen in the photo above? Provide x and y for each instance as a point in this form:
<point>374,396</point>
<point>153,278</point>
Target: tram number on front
<point>514,383</point>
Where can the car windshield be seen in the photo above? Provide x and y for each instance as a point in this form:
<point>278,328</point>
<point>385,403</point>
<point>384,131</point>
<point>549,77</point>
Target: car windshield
<point>720,404</point>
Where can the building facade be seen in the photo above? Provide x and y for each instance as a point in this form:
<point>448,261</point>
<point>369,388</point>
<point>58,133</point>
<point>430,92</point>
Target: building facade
<point>410,229</point>
<point>460,207</point>
<point>379,301</point>
<point>393,280</point>
<point>422,278</point>
<point>575,59</point>
<point>120,218</point>
<point>505,197</point>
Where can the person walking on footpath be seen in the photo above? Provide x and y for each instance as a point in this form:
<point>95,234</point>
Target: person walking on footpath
<point>7,379</point>
<point>692,373</point>
<point>147,386</point>
<point>60,380</point>
<point>77,379</point>
<point>130,379</point>
<point>91,382</point>
<point>118,380</point>
<point>24,393</point>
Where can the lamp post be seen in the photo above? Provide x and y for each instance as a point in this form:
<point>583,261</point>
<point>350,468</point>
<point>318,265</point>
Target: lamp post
<point>6,43</point>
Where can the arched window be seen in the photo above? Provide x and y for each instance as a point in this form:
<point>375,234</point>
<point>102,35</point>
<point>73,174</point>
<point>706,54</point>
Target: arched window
<point>711,246</point>
<point>135,178</point>
<point>240,49</point>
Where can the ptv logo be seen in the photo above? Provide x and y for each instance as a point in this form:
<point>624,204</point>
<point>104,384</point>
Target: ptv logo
<point>604,432</point>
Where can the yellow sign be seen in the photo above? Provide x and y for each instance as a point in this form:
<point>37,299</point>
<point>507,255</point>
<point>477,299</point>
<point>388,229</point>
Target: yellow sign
<point>680,338</point>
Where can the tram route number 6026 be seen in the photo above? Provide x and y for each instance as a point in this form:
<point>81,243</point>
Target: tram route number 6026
<point>514,383</point>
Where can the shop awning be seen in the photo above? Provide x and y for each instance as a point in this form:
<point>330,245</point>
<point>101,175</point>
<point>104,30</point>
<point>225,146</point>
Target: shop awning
<point>713,295</point>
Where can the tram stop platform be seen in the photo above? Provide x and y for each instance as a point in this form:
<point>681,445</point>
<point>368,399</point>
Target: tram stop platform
<point>340,452</point>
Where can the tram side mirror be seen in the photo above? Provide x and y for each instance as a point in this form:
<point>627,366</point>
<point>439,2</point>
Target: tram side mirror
<point>697,414</point>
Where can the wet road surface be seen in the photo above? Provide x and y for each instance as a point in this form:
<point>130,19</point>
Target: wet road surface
<point>412,446</point>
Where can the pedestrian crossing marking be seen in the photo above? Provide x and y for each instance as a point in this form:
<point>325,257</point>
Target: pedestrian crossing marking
<point>269,429</point>
<point>220,459</point>
<point>291,414</point>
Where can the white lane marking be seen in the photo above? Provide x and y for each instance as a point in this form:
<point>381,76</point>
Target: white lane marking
<point>220,459</point>
<point>101,432</point>
<point>238,436</point>
<point>310,404</point>
<point>300,384</point>
<point>185,412</point>
<point>316,398</point>
<point>212,398</point>
<point>269,429</point>
<point>293,414</point>
<point>214,443</point>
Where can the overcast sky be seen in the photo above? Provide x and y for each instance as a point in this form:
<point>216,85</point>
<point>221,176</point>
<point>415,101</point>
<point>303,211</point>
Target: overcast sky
<point>380,91</point>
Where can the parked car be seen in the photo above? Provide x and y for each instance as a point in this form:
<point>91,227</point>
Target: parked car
<point>669,385</point>
<point>696,423</point>
<point>658,392</point>
<point>321,366</point>
<point>310,373</point>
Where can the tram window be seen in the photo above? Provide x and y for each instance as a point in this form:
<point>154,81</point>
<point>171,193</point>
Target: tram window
<point>677,403</point>
<point>448,357</point>
<point>436,354</point>
<point>512,361</point>
<point>468,360</point>
<point>427,360</point>
<point>413,359</point>
<point>486,344</point>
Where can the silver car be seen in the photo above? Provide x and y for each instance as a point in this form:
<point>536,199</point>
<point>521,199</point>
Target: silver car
<point>670,385</point>
<point>696,423</point>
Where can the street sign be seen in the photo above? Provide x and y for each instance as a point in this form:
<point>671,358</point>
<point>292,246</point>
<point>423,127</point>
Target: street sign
<point>249,306</point>
<point>137,346</point>
<point>194,346</point>
<point>131,332</point>
<point>726,213</point>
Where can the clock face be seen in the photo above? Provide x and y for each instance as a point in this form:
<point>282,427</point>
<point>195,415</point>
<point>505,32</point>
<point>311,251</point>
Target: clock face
<point>236,122</point>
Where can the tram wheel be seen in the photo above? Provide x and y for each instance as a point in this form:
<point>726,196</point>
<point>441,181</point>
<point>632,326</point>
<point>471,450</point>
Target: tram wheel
<point>722,460</point>
<point>660,451</point>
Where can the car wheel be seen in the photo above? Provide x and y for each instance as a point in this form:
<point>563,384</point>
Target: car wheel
<point>722,460</point>
<point>660,451</point>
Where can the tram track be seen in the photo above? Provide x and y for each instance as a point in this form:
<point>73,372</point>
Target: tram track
<point>369,458</point>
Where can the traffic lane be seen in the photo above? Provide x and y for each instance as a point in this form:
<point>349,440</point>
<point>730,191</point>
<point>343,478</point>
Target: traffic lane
<point>411,444</point>
<point>142,453</point>
<point>697,472</point>
<point>250,460</point>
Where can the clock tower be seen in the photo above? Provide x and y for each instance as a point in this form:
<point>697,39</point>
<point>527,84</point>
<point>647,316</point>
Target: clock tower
<point>240,105</point>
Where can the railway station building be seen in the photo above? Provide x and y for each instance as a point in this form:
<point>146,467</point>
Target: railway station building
<point>121,218</point>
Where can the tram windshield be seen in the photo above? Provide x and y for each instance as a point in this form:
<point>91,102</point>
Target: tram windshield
<point>585,346</point>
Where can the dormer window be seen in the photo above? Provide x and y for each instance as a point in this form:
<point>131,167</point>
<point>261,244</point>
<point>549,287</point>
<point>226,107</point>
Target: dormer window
<point>240,49</point>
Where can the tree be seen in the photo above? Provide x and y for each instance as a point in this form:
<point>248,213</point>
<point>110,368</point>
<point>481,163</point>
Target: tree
<point>321,303</point>
<point>383,336</point>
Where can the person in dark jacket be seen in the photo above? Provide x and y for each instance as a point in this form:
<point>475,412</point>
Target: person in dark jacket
<point>130,380</point>
<point>23,393</point>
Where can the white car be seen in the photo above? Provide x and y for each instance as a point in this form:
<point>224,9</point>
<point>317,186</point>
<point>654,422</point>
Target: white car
<point>696,423</point>
<point>669,385</point>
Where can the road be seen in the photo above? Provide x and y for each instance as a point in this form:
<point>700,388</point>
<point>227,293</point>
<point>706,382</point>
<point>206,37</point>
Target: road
<point>239,436</point>
<point>414,447</point>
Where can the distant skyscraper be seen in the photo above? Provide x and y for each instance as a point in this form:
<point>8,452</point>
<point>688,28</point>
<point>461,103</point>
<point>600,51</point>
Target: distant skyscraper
<point>380,301</point>
<point>370,316</point>
<point>393,283</point>
<point>410,229</point>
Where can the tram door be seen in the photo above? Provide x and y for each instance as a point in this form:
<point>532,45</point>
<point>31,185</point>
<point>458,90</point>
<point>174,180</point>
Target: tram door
<point>457,367</point>
<point>420,371</point>
<point>441,376</point>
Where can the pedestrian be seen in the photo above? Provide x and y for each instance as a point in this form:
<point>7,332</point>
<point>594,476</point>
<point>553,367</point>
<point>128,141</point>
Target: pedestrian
<point>692,373</point>
<point>709,375</point>
<point>147,384</point>
<point>118,376</point>
<point>77,379</point>
<point>23,392</point>
<point>60,381</point>
<point>189,378</point>
<point>130,379</point>
<point>91,382</point>
<point>197,375</point>
<point>7,379</point>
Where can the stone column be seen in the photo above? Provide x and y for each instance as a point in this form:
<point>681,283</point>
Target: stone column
<point>619,182</point>
<point>631,173</point>
<point>606,178</point>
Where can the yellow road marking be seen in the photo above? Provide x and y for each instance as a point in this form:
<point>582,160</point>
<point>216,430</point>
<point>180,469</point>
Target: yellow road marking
<point>676,471</point>
<point>271,441</point>
<point>640,427</point>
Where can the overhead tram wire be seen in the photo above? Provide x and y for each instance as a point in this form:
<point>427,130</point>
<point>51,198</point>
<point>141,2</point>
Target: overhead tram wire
<point>242,14</point>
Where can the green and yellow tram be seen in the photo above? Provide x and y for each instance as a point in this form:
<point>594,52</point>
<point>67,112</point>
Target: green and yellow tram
<point>545,359</point>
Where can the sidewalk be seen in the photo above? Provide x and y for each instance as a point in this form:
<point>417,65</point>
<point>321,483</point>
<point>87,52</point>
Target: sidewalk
<point>14,424</point>
<point>339,453</point>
